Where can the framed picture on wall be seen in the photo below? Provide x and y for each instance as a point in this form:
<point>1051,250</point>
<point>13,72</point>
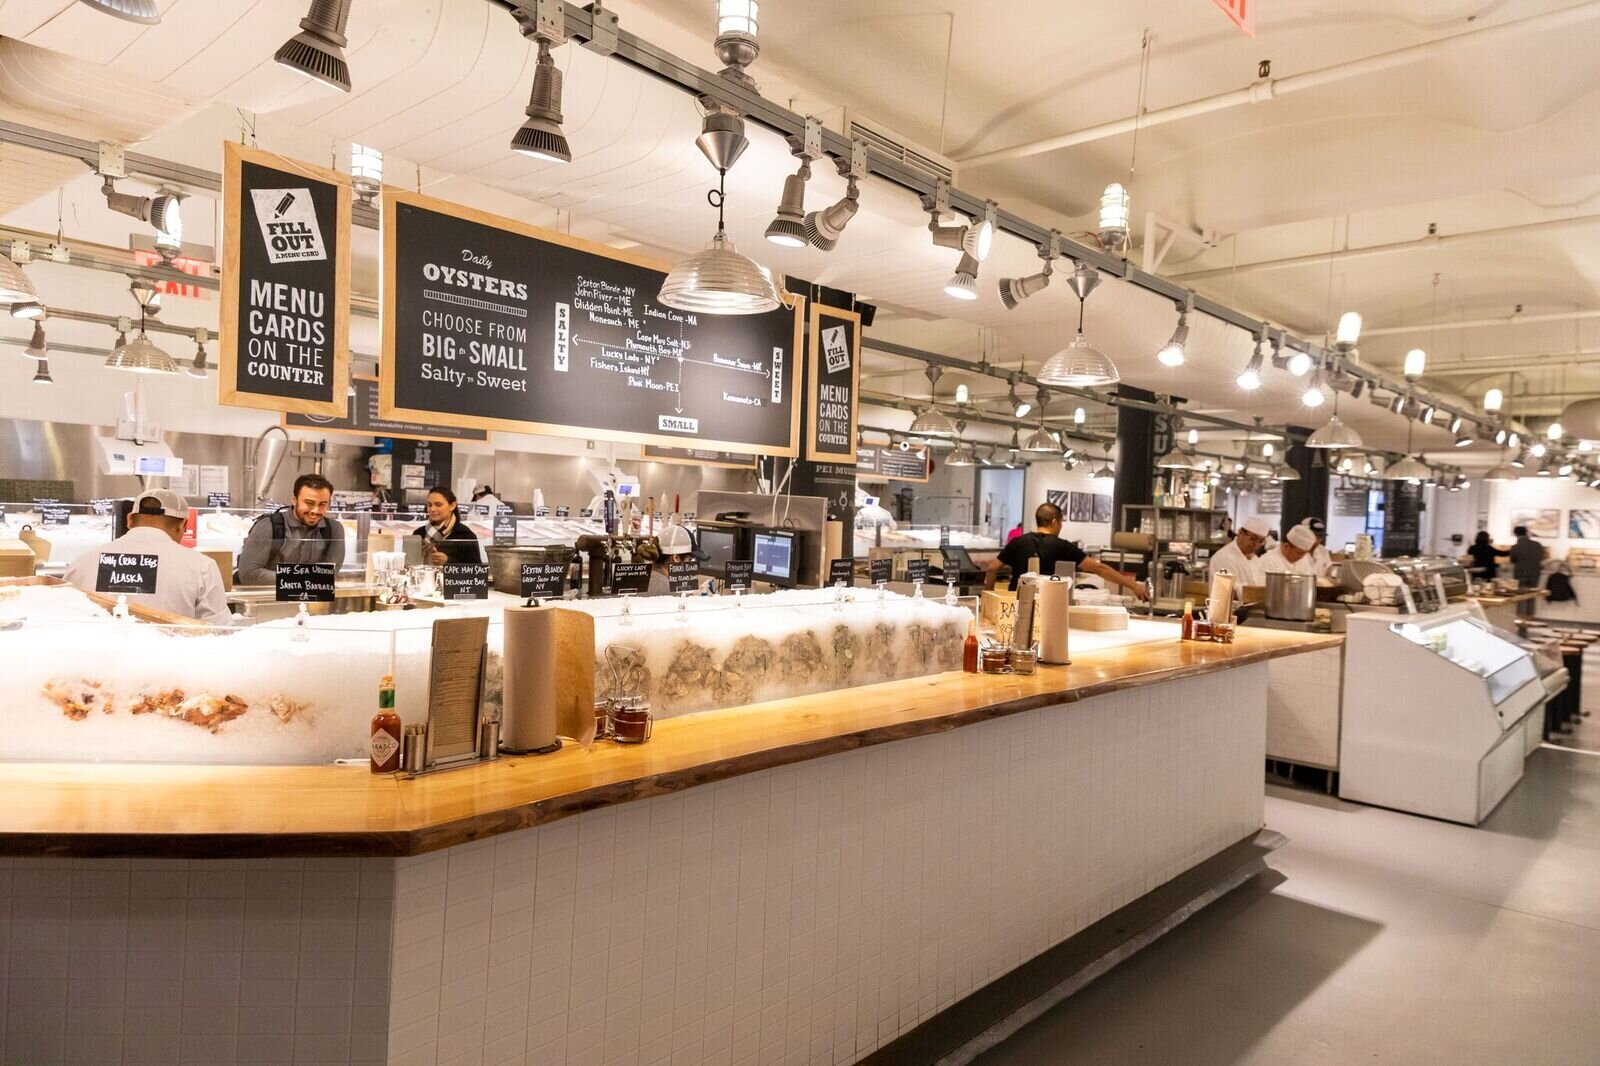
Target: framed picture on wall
<point>1583,523</point>
<point>1542,522</point>
<point>1080,507</point>
<point>1057,497</point>
<point>1101,508</point>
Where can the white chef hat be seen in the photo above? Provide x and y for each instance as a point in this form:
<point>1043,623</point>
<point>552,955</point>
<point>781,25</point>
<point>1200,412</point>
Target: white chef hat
<point>1255,525</point>
<point>1302,537</point>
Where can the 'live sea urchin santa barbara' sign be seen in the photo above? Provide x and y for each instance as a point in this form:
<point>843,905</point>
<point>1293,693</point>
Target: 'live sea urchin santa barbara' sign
<point>285,321</point>
<point>495,324</point>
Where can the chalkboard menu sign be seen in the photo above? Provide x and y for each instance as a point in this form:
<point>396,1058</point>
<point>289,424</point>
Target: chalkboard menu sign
<point>218,499</point>
<point>100,507</point>
<point>466,581</point>
<point>505,529</point>
<point>363,420</point>
<point>493,323</point>
<point>1402,518</point>
<point>880,569</point>
<point>1349,503</point>
<point>303,582</point>
<point>563,511</point>
<point>543,579</point>
<point>841,571</point>
<point>630,577</point>
<point>739,573</point>
<point>683,576</point>
<point>893,463</point>
<point>127,572</point>
<point>833,384</point>
<point>916,569</point>
<point>55,515</point>
<point>284,342</point>
<point>655,453</point>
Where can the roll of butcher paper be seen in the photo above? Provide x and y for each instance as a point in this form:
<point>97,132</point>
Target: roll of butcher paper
<point>549,678</point>
<point>1054,614</point>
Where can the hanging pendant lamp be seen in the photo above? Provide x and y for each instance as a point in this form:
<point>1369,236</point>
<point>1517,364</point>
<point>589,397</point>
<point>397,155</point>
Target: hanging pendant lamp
<point>1080,364</point>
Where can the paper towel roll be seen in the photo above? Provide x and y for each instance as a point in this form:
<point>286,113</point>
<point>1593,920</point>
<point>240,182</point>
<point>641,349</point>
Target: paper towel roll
<point>549,677</point>
<point>1054,614</point>
<point>1219,608</point>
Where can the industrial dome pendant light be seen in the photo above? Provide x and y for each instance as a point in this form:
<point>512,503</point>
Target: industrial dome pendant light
<point>143,12</point>
<point>1080,364</point>
<point>317,51</point>
<point>932,422</point>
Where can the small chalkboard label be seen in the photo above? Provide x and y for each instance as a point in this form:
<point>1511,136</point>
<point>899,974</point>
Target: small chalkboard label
<point>881,569</point>
<point>100,507</point>
<point>481,510</point>
<point>303,582</point>
<point>688,516</point>
<point>416,509</point>
<point>630,577</point>
<point>740,573</point>
<point>587,512</point>
<point>505,529</point>
<point>388,508</point>
<point>503,508</point>
<point>916,570</point>
<point>546,580</point>
<point>684,576</point>
<point>41,502</point>
<point>219,499</point>
<point>127,572</point>
<point>541,512</point>
<point>51,515</point>
<point>841,571</point>
<point>944,536</point>
<point>466,581</point>
<point>563,511</point>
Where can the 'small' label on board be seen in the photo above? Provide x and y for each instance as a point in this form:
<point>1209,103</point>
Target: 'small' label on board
<point>493,323</point>
<point>285,309</point>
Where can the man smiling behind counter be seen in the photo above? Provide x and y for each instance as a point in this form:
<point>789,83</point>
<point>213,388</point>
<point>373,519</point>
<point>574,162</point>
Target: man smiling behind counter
<point>302,533</point>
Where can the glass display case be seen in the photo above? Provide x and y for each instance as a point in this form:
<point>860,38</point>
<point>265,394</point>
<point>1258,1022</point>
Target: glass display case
<point>1470,645</point>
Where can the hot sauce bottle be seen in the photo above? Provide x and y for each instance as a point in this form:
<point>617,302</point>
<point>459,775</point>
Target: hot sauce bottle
<point>969,651</point>
<point>385,747</point>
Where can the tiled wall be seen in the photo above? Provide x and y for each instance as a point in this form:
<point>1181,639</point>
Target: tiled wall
<point>807,914</point>
<point>810,914</point>
<point>1304,694</point>
<point>161,961</point>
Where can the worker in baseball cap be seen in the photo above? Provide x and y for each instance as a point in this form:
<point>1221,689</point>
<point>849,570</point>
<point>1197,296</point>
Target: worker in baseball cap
<point>186,582</point>
<point>674,544</point>
<point>1319,554</point>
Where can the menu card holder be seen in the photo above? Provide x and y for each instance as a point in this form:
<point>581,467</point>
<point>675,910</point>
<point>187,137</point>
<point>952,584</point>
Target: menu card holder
<point>455,691</point>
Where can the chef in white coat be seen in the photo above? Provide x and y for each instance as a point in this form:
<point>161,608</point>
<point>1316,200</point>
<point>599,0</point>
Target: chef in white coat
<point>187,582</point>
<point>1319,555</point>
<point>1294,555</point>
<point>1238,556</point>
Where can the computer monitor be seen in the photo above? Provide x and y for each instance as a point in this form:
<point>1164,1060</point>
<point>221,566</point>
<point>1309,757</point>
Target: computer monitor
<point>721,545</point>
<point>776,554</point>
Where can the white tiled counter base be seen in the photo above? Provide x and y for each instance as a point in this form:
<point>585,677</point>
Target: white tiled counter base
<point>807,914</point>
<point>1304,698</point>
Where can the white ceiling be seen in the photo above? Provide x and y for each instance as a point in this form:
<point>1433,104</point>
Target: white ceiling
<point>1479,139</point>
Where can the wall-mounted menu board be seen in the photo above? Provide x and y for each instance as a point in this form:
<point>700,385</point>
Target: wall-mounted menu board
<point>655,453</point>
<point>833,383</point>
<point>364,420</point>
<point>284,337</point>
<point>892,463</point>
<point>492,323</point>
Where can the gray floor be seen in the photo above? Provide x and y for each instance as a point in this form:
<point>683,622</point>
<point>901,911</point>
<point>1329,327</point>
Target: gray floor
<point>1381,938</point>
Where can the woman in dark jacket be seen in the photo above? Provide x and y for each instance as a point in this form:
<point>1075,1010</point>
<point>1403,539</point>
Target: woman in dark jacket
<point>445,538</point>
<point>1483,555</point>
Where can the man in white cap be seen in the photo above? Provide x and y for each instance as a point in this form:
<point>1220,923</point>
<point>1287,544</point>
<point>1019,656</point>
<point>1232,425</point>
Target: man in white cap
<point>187,582</point>
<point>1238,557</point>
<point>1294,555</point>
<point>674,544</point>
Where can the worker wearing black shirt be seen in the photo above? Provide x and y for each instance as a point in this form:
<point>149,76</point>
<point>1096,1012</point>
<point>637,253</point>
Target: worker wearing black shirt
<point>1046,543</point>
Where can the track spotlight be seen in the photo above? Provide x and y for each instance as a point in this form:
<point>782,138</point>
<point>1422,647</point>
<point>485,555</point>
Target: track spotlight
<point>164,212</point>
<point>38,347</point>
<point>1079,416</point>
<point>27,309</point>
<point>1493,399</point>
<point>1249,378</point>
<point>41,373</point>
<point>1513,441</point>
<point>1398,405</point>
<point>963,284</point>
<point>974,238</point>
<point>1019,406</point>
<point>317,51</point>
<point>788,227</point>
<point>540,135</point>
<point>1554,432</point>
<point>1314,396</point>
<point>140,11</point>
<point>822,228</point>
<point>1463,441</point>
<point>198,368</point>
<point>1456,422</point>
<point>1427,415</point>
<point>1014,290</point>
<point>1538,450</point>
<point>1519,461</point>
<point>1172,353</point>
<point>1299,364</point>
<point>1500,435</point>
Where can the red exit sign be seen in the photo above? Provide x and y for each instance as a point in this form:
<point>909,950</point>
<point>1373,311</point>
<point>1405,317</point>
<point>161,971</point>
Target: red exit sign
<point>1242,12</point>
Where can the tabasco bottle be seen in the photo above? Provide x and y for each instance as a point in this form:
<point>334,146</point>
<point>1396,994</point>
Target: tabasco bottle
<point>385,747</point>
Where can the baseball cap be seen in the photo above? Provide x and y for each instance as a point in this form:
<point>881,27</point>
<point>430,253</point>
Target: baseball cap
<point>162,502</point>
<point>1317,526</point>
<point>1256,525</point>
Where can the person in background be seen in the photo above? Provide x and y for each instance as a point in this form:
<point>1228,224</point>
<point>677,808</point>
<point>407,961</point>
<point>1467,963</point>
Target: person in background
<point>673,545</point>
<point>187,582</point>
<point>1238,557</point>
<point>1016,531</point>
<point>445,538</point>
<point>1296,555</point>
<point>1046,543</point>
<point>300,533</point>
<point>1485,556</point>
<point>1320,555</point>
<point>1527,562</point>
<point>484,496</point>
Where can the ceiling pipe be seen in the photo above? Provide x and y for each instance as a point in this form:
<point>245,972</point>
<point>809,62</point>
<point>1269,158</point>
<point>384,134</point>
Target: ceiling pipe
<point>1390,248</point>
<point>1271,88</point>
<point>1529,364</point>
<point>1482,323</point>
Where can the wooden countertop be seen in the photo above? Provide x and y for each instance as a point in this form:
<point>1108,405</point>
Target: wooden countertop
<point>187,811</point>
<point>1515,597</point>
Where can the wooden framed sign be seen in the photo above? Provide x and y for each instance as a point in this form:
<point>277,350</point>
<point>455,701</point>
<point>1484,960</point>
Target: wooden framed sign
<point>833,384</point>
<point>654,453</point>
<point>495,324</point>
<point>363,420</point>
<point>284,341</point>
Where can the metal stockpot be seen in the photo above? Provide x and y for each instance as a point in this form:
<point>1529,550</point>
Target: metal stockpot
<point>1291,597</point>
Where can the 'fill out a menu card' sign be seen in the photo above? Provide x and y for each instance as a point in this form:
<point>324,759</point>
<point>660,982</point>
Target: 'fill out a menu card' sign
<point>284,342</point>
<point>833,384</point>
<point>495,324</point>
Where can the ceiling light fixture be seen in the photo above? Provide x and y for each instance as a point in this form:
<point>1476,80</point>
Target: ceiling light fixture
<point>1299,364</point>
<point>317,51</point>
<point>1501,471</point>
<point>1555,431</point>
<point>823,228</point>
<point>1114,215</point>
<point>38,347</point>
<point>1538,450</point>
<point>1520,461</point>
<point>1426,418</point>
<point>28,309</point>
<point>1456,421</point>
<point>788,227</point>
<point>1080,364</point>
<point>1333,434</point>
<point>1172,354</point>
<point>164,212</point>
<point>1042,440</point>
<point>1019,406</point>
<point>41,373</point>
<point>1314,396</point>
<point>15,285</point>
<point>198,368</point>
<point>540,135</point>
<point>1513,440</point>
<point>1415,363</point>
<point>366,172</point>
<point>140,355</point>
<point>1106,470</point>
<point>1194,437</point>
<point>963,284</point>
<point>1079,416</point>
<point>1014,290</point>
<point>932,422</point>
<point>1348,331</point>
<point>1464,441</point>
<point>144,12</point>
<point>1493,399</point>
<point>1409,469</point>
<point>1249,378</point>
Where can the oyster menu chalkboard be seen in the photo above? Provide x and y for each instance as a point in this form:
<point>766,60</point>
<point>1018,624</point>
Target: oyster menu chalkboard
<point>491,323</point>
